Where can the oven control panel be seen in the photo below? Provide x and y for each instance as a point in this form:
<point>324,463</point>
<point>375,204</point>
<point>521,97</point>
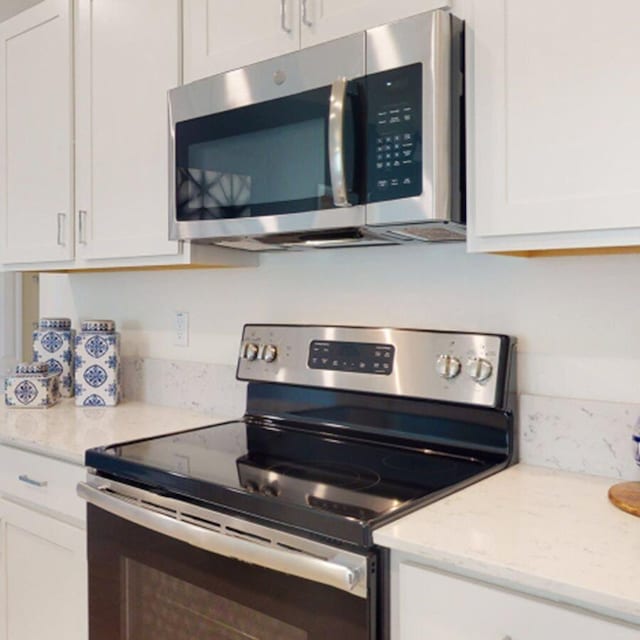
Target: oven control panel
<point>358,357</point>
<point>456,367</point>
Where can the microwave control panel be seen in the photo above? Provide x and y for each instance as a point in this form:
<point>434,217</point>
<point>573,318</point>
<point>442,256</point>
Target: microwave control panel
<point>394,133</point>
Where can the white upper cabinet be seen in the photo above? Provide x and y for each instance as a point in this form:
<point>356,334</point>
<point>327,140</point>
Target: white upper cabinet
<point>220,35</point>
<point>324,20</point>
<point>127,58</point>
<point>36,112</point>
<point>553,127</point>
<point>112,212</point>
<point>226,34</point>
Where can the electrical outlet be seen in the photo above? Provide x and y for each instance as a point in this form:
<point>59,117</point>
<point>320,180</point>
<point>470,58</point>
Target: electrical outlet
<point>181,336</point>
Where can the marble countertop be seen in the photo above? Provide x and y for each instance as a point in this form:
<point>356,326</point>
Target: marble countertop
<point>548,533</point>
<point>64,431</point>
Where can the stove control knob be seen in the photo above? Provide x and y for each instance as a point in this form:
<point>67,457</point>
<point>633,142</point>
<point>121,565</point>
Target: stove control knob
<point>479,369</point>
<point>270,352</point>
<point>250,351</point>
<point>447,366</point>
<point>272,490</point>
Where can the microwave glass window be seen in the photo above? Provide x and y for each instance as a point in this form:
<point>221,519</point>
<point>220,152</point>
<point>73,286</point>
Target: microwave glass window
<point>263,159</point>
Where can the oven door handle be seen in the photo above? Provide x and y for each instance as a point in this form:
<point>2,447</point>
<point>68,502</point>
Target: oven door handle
<point>336,143</point>
<point>290,562</point>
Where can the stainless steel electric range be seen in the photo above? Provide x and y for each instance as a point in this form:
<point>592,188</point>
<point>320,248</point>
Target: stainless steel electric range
<point>262,527</point>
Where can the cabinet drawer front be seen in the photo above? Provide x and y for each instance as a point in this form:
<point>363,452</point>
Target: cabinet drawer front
<point>41,481</point>
<point>451,608</point>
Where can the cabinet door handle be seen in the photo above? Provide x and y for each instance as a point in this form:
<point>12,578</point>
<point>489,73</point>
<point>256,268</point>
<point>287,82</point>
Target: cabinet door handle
<point>305,14</point>
<point>62,218</point>
<point>36,483</point>
<point>283,16</point>
<point>82,226</point>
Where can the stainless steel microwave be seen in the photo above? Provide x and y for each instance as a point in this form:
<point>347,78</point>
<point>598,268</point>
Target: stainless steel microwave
<point>353,142</point>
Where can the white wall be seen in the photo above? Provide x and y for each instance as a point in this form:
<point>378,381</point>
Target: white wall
<point>577,318</point>
<point>8,325</point>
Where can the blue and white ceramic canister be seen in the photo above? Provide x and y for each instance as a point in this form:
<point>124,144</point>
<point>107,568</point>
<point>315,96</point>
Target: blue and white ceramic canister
<point>636,442</point>
<point>33,386</point>
<point>97,364</point>
<point>53,343</point>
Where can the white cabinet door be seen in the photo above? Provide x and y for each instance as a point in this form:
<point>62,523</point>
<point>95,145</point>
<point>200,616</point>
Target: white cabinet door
<point>43,577</point>
<point>324,20</point>
<point>36,115</point>
<point>225,34</point>
<point>438,606</point>
<point>553,124</point>
<point>127,57</point>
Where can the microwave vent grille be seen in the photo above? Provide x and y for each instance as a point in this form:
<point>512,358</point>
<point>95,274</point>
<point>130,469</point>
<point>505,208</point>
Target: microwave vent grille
<point>429,232</point>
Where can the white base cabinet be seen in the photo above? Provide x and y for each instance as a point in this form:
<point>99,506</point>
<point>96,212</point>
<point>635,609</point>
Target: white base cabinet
<point>43,564</point>
<point>43,570</point>
<point>553,127</point>
<point>431,605</point>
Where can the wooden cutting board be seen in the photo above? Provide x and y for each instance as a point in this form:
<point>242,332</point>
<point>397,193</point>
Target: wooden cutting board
<point>626,496</point>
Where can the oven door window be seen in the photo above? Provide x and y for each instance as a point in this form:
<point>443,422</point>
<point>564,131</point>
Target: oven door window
<point>144,585</point>
<point>265,159</point>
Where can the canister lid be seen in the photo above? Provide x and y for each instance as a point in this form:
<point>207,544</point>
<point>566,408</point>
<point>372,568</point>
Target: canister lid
<point>32,367</point>
<point>106,326</point>
<point>55,323</point>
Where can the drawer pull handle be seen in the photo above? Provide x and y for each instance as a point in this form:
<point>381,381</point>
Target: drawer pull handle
<point>36,483</point>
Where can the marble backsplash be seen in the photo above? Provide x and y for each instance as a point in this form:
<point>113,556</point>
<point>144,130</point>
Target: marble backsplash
<point>585,436</point>
<point>209,388</point>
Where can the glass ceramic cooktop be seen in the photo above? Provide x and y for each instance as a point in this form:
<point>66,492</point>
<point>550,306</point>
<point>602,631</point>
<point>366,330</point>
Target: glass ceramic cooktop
<point>343,477</point>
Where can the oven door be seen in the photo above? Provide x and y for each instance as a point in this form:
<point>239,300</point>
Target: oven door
<point>275,147</point>
<point>163,569</point>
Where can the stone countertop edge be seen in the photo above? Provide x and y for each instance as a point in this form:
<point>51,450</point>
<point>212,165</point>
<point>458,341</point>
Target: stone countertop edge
<point>542,532</point>
<point>65,432</point>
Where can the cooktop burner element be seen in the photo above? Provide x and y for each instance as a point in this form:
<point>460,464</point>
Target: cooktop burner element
<point>334,442</point>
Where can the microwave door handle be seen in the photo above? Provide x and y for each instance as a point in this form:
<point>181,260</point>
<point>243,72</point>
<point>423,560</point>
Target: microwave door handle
<point>336,142</point>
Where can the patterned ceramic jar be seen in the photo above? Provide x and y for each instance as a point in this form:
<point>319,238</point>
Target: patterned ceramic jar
<point>53,344</point>
<point>97,364</point>
<point>33,386</point>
